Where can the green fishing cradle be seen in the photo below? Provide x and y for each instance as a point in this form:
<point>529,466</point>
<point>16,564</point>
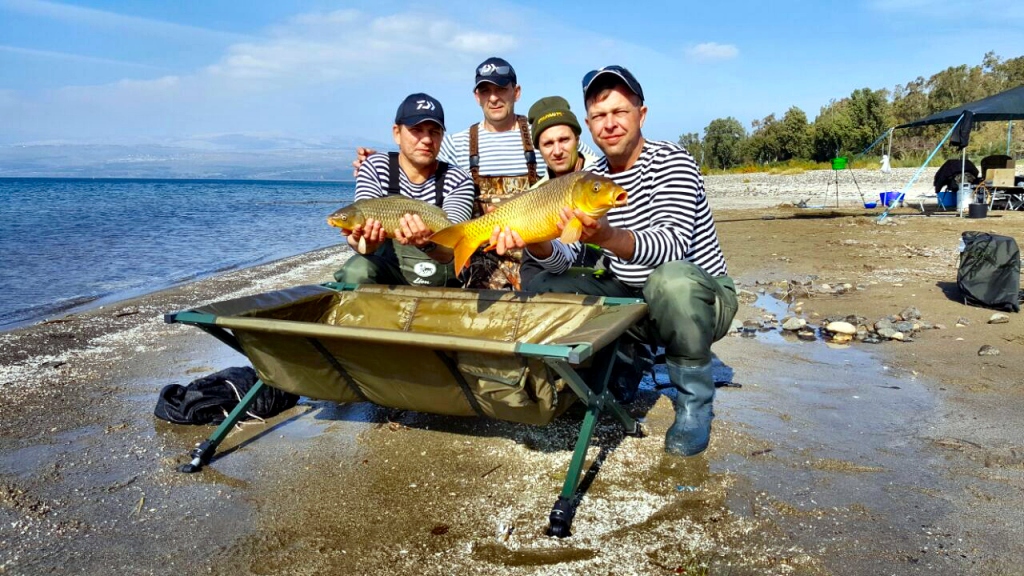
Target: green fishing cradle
<point>510,356</point>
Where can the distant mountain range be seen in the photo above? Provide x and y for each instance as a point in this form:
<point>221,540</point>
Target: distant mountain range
<point>224,156</point>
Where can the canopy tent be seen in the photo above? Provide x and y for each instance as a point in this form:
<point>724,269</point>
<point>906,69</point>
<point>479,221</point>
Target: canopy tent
<point>1006,106</point>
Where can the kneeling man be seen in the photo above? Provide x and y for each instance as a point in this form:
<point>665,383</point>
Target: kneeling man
<point>662,246</point>
<point>414,172</point>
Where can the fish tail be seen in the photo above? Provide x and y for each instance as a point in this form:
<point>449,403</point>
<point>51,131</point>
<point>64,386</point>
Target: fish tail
<point>454,237</point>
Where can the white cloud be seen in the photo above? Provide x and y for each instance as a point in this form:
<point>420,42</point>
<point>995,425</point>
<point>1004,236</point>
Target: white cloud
<point>310,68</point>
<point>713,51</point>
<point>112,20</point>
<point>348,44</point>
<point>48,54</point>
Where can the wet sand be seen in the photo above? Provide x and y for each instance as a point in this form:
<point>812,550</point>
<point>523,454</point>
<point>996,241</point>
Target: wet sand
<point>892,458</point>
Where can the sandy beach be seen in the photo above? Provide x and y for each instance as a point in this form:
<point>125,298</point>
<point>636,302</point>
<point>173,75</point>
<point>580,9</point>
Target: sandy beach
<point>897,457</point>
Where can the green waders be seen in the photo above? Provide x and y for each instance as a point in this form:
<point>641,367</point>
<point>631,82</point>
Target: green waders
<point>688,311</point>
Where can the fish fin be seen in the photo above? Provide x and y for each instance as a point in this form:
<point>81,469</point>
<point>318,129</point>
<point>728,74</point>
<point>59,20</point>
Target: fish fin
<point>454,238</point>
<point>448,236</point>
<point>572,231</point>
<point>463,252</point>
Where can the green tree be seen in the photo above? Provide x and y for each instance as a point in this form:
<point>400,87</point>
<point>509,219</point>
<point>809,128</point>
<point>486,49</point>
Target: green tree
<point>723,138</point>
<point>794,135</point>
<point>691,141</point>
<point>910,101</point>
<point>763,144</point>
<point>869,116</point>
<point>831,131</point>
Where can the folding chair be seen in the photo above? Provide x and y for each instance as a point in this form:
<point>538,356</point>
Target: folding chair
<point>506,355</point>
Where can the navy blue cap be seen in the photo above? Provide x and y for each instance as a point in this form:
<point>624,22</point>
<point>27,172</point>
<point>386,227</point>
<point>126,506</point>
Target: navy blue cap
<point>625,75</point>
<point>417,108</point>
<point>496,71</point>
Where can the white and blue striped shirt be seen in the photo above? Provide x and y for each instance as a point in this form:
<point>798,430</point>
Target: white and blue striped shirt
<point>667,211</point>
<point>457,193</point>
<point>501,153</point>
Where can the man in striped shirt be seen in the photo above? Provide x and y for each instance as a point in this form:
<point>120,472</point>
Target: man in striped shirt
<point>662,246</point>
<point>413,172</point>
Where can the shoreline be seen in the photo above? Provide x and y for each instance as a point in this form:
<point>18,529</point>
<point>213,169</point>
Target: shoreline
<point>900,457</point>
<point>116,298</point>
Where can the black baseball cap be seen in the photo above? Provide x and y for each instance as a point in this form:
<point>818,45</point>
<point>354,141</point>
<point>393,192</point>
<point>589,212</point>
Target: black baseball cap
<point>625,75</point>
<point>418,108</point>
<point>496,71</point>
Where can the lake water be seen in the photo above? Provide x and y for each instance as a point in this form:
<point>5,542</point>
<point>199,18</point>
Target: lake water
<point>66,243</point>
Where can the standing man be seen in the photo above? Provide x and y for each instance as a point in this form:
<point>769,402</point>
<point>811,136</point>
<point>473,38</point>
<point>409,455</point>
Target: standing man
<point>415,172</point>
<point>662,247</point>
<point>556,134</point>
<point>499,153</point>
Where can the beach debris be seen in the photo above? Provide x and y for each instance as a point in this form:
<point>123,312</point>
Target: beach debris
<point>138,507</point>
<point>843,328</point>
<point>807,335</point>
<point>126,312</point>
<point>988,350</point>
<point>534,215</point>
<point>998,318</point>
<point>793,323</point>
<point>488,473</point>
<point>440,530</point>
<point>961,322</point>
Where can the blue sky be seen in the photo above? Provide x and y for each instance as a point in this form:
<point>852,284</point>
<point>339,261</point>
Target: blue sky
<point>149,71</point>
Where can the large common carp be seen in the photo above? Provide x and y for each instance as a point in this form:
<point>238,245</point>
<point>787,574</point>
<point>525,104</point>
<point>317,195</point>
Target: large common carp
<point>388,211</point>
<point>535,214</point>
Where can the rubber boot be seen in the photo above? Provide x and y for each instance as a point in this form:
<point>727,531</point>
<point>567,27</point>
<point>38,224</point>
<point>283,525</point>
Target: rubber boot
<point>695,392</point>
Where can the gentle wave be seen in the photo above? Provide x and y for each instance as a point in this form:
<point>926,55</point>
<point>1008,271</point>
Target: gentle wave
<point>72,243</point>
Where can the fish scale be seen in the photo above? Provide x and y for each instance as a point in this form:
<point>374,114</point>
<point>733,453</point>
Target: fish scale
<point>388,211</point>
<point>534,215</point>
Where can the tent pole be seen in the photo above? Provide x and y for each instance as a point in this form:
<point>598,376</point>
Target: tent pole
<point>1009,136</point>
<point>906,188</point>
<point>888,177</point>
<point>963,163</point>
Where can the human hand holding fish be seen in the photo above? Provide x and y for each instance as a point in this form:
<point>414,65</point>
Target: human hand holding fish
<point>412,230</point>
<point>599,232</point>
<point>365,238</point>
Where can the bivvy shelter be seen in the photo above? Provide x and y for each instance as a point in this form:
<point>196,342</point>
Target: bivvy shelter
<point>512,356</point>
<point>1005,106</point>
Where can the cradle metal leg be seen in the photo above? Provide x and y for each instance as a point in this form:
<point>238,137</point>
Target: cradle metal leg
<point>597,398</point>
<point>203,453</point>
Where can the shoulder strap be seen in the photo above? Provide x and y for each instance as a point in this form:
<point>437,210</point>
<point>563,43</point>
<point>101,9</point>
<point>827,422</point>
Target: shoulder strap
<point>439,174</point>
<point>531,156</point>
<point>393,168</point>
<point>474,154</point>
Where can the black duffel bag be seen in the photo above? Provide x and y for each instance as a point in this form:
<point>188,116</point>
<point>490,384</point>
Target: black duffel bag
<point>989,272</point>
<point>208,399</point>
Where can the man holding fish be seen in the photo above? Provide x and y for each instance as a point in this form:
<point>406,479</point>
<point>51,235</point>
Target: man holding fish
<point>405,196</point>
<point>661,246</point>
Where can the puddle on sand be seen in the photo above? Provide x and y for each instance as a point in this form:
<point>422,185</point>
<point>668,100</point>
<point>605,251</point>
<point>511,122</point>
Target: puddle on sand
<point>835,437</point>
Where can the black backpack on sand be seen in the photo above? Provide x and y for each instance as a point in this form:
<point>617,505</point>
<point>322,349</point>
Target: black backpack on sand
<point>207,399</point>
<point>989,273</point>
